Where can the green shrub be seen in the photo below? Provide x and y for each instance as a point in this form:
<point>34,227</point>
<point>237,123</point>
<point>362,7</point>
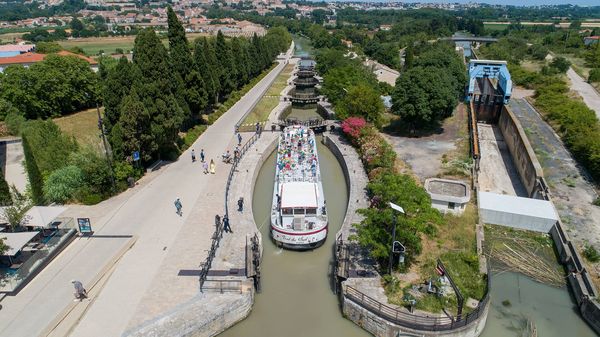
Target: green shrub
<point>14,122</point>
<point>594,76</point>
<point>591,254</point>
<point>192,135</point>
<point>91,199</point>
<point>61,185</point>
<point>124,170</point>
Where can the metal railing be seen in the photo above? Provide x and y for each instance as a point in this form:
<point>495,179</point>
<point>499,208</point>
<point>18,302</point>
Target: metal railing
<point>243,151</point>
<point>218,234</point>
<point>413,321</point>
<point>215,240</point>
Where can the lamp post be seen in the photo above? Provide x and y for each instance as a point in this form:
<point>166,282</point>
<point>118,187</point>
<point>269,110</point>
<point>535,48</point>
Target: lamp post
<point>401,210</point>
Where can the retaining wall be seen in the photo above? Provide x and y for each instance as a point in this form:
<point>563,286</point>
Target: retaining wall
<point>381,327</point>
<point>204,316</point>
<point>528,167</point>
<point>531,174</point>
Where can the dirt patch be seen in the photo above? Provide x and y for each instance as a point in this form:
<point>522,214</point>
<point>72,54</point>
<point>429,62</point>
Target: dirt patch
<point>424,154</point>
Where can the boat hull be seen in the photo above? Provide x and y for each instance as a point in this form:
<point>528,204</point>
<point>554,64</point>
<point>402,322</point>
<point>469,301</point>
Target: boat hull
<point>299,241</point>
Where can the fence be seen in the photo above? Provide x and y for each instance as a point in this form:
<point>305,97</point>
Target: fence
<point>218,234</point>
<point>413,321</point>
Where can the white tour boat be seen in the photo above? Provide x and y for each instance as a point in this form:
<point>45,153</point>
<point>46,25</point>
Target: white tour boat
<point>298,213</point>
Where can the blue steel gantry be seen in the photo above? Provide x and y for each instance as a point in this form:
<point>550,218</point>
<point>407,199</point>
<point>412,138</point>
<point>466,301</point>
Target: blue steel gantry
<point>489,78</point>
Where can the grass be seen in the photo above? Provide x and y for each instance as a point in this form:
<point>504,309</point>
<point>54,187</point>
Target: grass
<point>531,65</point>
<point>93,45</point>
<point>495,26</point>
<point>270,99</point>
<point>578,65</point>
<point>83,126</point>
<point>9,37</point>
<point>455,245</point>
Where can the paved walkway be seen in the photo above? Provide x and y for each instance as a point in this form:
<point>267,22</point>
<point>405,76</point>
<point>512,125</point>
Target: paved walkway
<point>585,90</point>
<point>145,212</point>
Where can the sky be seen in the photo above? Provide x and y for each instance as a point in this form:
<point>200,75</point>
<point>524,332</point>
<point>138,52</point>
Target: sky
<point>510,2</point>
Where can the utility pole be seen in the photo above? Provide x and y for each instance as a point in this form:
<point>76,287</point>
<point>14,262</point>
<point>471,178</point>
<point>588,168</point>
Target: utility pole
<point>106,147</point>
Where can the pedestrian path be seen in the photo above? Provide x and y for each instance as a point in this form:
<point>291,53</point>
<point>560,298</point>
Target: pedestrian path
<point>145,212</point>
<point>585,90</point>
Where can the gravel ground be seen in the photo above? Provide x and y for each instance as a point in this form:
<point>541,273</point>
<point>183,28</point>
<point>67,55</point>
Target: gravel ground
<point>424,154</point>
<point>572,190</point>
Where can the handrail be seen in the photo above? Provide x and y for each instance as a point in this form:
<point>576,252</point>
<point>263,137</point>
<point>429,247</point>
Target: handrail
<point>218,234</point>
<point>418,322</point>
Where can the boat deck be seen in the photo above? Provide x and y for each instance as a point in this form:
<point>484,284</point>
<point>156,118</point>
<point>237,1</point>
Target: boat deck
<point>297,158</point>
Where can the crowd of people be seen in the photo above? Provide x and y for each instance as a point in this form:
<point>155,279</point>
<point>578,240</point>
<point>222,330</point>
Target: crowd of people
<point>297,154</point>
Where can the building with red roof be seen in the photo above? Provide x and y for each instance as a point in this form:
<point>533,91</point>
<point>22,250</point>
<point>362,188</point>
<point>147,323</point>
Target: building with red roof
<point>27,59</point>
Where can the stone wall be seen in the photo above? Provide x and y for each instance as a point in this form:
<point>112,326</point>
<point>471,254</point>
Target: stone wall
<point>206,315</point>
<point>521,151</point>
<point>383,328</point>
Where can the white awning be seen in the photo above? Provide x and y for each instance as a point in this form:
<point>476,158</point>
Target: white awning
<point>16,241</point>
<point>42,216</point>
<point>299,195</point>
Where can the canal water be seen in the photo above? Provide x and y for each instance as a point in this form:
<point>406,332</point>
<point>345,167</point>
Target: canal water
<point>551,309</point>
<point>297,299</point>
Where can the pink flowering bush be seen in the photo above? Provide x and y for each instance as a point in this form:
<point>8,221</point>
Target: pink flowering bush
<point>353,126</point>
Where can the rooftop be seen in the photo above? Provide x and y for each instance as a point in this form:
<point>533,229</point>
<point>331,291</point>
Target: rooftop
<point>448,190</point>
<point>35,57</point>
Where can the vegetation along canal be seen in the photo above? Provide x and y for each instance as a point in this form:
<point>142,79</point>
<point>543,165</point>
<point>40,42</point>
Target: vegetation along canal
<point>296,298</point>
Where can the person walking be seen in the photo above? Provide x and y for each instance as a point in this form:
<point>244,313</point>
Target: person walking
<point>226,226</point>
<point>212,166</point>
<point>202,155</point>
<point>257,127</point>
<point>205,167</point>
<point>239,137</point>
<point>178,207</point>
<point>80,292</point>
<point>193,156</point>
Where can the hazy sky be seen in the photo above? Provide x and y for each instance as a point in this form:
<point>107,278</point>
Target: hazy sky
<point>512,2</point>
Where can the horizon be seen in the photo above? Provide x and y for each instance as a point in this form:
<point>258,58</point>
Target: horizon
<point>519,3</point>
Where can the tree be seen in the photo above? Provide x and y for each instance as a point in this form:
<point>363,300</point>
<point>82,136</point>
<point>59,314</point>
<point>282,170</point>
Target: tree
<point>15,213</point>
<point>134,129</point>
<point>375,231</point>
<point>203,64</point>
<point>5,197</point>
<point>33,172</point>
<point>181,58</point>
<point>157,89</point>
<point>423,96</point>
<point>561,64</point>
<point>226,64</point>
<point>361,100</point>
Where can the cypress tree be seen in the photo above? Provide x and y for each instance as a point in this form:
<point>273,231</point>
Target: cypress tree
<point>204,69</point>
<point>213,64</point>
<point>5,198</point>
<point>157,89</point>
<point>228,73</point>
<point>181,64</point>
<point>179,50</point>
<point>33,172</point>
<point>241,62</point>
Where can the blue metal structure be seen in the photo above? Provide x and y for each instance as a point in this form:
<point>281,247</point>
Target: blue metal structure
<point>489,69</point>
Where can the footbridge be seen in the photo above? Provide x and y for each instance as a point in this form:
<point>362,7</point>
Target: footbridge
<point>482,39</point>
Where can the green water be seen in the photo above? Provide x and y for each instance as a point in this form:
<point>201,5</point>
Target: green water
<point>551,309</point>
<point>297,299</point>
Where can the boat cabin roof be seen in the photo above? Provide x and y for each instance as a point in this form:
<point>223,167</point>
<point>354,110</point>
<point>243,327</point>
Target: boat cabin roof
<point>299,194</point>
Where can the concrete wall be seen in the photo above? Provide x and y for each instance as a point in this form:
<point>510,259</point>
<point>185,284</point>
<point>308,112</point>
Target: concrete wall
<point>522,153</point>
<point>204,316</point>
<point>382,328</point>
